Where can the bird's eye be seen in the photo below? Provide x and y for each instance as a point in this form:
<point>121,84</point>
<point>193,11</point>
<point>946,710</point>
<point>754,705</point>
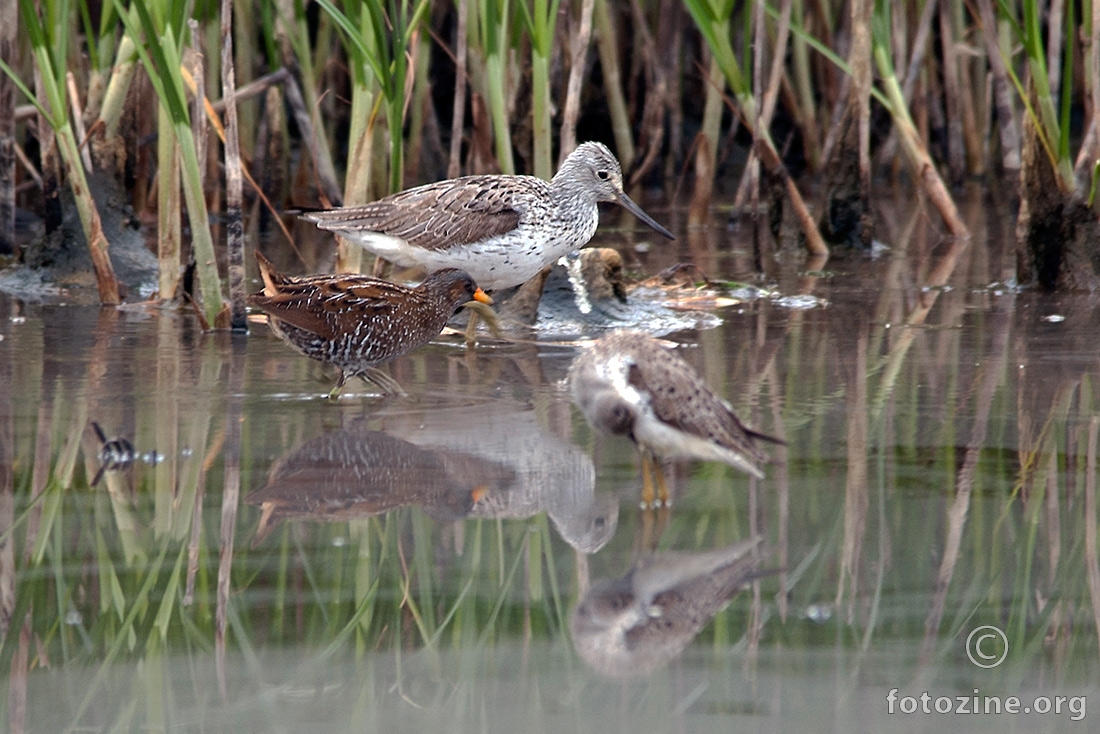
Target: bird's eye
<point>603,175</point>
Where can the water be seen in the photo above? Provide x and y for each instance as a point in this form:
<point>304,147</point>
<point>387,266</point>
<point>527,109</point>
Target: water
<point>268,560</point>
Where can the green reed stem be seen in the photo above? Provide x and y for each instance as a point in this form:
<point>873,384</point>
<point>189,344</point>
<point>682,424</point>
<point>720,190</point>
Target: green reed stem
<point>390,37</point>
<point>494,30</point>
<point>158,47</point>
<point>540,20</point>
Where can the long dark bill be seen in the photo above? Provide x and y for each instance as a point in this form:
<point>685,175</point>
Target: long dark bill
<point>628,204</point>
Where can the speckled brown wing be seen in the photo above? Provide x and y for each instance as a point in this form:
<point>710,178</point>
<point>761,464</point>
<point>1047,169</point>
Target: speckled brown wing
<point>318,304</point>
<point>681,399</point>
<point>438,215</point>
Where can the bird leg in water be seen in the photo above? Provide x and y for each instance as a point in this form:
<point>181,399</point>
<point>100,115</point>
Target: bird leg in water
<point>654,522</point>
<point>380,379</point>
<point>652,470</point>
<point>389,385</point>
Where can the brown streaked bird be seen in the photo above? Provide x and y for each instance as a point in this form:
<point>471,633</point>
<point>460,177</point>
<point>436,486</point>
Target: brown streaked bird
<point>629,384</point>
<point>356,322</point>
<point>500,229</point>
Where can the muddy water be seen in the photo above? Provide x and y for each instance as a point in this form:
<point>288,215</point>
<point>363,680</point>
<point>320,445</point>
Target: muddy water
<point>257,558</point>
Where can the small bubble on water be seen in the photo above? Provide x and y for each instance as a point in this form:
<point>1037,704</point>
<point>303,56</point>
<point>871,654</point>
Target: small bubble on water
<point>152,457</point>
<point>819,612</point>
<point>339,541</point>
<point>73,618</point>
<point>186,453</point>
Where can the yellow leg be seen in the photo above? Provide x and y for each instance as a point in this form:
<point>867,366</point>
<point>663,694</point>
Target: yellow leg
<point>647,481</point>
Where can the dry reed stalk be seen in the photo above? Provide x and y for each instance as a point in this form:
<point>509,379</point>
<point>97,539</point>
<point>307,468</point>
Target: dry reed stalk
<point>923,166</point>
<point>169,207</point>
<point>458,115</point>
<point>706,146</point>
<point>804,92</point>
<point>672,35</point>
<point>1055,23</point>
<point>971,100</point>
<point>759,47</point>
<point>234,223</point>
<point>770,158</point>
<point>1007,124</point>
<point>254,88</point>
<point>245,51</point>
<point>107,145</point>
<point>652,133</point>
<point>270,161</point>
<point>195,63</point>
<point>318,151</point>
<point>579,42</point>
<point>860,100</point>
<point>49,164</point>
<point>913,68</point>
<point>956,160</point>
<point>607,44</point>
<point>769,95</point>
<point>1090,146</point>
<point>846,212</point>
<point>78,120</point>
<point>9,18</point>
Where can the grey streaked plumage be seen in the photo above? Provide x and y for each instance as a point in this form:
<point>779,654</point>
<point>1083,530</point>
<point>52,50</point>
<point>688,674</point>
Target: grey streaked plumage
<point>356,322</point>
<point>628,384</point>
<point>500,229</point>
<point>630,626</point>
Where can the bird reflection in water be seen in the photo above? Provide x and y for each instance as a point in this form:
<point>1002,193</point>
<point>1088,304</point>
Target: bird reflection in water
<point>630,626</point>
<point>550,474</point>
<point>356,472</point>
